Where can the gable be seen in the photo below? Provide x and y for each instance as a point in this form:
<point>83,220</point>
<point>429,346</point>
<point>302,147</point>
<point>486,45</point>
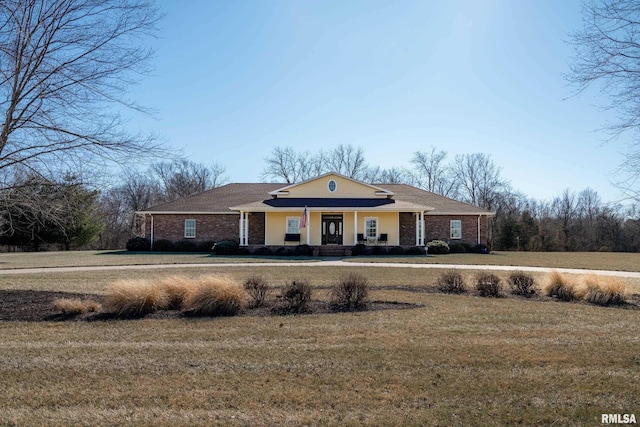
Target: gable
<point>332,186</point>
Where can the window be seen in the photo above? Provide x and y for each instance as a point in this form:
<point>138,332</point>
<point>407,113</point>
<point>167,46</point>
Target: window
<point>293,225</point>
<point>332,185</point>
<point>189,228</point>
<point>456,229</point>
<point>371,228</point>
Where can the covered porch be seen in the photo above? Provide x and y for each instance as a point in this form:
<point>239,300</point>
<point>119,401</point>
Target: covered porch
<point>315,226</point>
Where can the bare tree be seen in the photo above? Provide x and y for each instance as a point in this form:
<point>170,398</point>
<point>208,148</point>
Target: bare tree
<point>65,66</point>
<point>607,53</point>
<point>285,163</point>
<point>432,174</point>
<point>182,178</point>
<point>479,179</point>
<point>347,160</point>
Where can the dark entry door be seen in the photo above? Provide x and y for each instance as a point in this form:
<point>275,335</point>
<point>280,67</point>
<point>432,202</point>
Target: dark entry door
<point>331,229</point>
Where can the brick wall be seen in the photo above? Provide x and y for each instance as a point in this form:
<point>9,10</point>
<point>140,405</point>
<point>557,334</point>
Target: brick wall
<point>438,227</point>
<point>208,227</point>
<point>225,226</point>
<point>256,228</point>
<point>407,228</point>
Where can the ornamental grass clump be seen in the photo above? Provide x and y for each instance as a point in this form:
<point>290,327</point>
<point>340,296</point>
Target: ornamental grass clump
<point>488,285</point>
<point>257,288</point>
<point>295,297</point>
<point>604,290</point>
<point>521,283</point>
<point>350,293</point>
<point>451,282</point>
<point>215,296</point>
<point>134,298</point>
<point>176,289</point>
<point>559,286</point>
<point>75,306</point>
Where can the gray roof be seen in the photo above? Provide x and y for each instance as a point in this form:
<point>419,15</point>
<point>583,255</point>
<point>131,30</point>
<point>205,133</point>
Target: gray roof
<point>221,199</point>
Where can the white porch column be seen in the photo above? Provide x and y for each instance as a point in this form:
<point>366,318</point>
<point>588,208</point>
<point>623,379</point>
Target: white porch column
<point>417,229</point>
<point>355,228</point>
<point>422,230</point>
<point>241,228</point>
<point>308,226</point>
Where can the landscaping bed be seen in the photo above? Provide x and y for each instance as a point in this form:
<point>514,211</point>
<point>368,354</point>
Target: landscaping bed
<point>38,306</point>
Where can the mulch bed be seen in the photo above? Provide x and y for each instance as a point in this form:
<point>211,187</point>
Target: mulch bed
<point>37,306</point>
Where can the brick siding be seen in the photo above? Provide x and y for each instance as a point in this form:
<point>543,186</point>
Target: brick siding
<point>208,227</point>
<point>438,228</point>
<point>407,228</point>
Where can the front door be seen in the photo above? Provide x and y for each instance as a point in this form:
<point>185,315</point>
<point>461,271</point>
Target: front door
<point>331,229</point>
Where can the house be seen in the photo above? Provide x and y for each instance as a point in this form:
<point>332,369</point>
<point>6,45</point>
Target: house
<point>329,210</point>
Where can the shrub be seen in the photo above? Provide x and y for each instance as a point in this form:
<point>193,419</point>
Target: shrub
<point>558,286</point>
<point>75,306</point>
<point>205,246</point>
<point>350,293</point>
<point>521,283</point>
<point>604,290</point>
<point>242,250</point>
<point>185,246</point>
<point>295,297</point>
<point>226,247</point>
<point>164,245</point>
<point>303,250</point>
<point>379,250</point>
<point>415,250</point>
<point>257,288</point>
<point>133,298</point>
<point>175,289</point>
<point>138,244</point>
<point>282,251</point>
<point>395,250</point>
<point>438,247</point>
<point>215,296</point>
<point>451,282</point>
<point>359,249</point>
<point>263,251</point>
<point>488,285</point>
<point>457,248</point>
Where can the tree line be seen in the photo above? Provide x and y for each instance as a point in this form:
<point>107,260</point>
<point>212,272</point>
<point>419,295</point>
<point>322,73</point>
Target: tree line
<point>70,214</point>
<point>570,221</point>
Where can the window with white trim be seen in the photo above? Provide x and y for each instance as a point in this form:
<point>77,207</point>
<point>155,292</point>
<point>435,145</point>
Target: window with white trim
<point>371,228</point>
<point>189,228</point>
<point>455,229</point>
<point>293,225</point>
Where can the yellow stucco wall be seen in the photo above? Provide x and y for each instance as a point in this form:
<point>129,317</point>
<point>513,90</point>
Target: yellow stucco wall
<point>276,224</point>
<point>344,188</point>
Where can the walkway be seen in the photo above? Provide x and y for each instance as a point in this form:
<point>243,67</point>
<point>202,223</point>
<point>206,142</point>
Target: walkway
<point>324,263</point>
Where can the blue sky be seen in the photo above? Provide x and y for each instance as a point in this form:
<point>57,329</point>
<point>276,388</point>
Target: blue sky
<point>234,79</point>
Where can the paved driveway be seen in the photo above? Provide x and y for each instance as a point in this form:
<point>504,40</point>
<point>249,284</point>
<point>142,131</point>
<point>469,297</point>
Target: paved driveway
<point>323,263</point>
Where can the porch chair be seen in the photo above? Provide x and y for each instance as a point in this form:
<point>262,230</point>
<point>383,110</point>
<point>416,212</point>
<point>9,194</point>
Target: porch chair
<point>383,239</point>
<point>361,239</point>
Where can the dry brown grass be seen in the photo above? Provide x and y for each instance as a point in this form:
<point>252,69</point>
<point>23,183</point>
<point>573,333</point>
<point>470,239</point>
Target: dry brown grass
<point>458,360</point>
<point>134,298</point>
<point>215,296</point>
<point>76,306</point>
<point>176,288</point>
<point>604,290</point>
<point>561,286</point>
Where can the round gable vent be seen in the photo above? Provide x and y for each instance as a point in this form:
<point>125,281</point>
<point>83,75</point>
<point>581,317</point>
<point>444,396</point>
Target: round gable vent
<point>332,185</point>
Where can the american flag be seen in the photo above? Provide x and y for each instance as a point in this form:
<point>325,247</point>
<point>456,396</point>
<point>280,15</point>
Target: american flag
<point>303,221</point>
